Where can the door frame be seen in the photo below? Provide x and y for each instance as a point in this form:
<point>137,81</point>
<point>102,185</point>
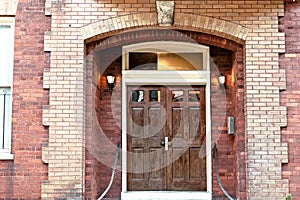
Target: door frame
<point>155,77</point>
<point>183,78</point>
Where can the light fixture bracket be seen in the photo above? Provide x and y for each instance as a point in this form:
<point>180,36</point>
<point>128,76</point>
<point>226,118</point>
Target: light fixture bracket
<point>110,79</point>
<point>221,80</point>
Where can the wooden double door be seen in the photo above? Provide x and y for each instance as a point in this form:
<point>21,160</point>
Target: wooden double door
<point>166,138</point>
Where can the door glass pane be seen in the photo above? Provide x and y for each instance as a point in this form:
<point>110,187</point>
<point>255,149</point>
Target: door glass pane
<point>194,96</point>
<point>154,95</point>
<point>177,96</point>
<point>137,96</point>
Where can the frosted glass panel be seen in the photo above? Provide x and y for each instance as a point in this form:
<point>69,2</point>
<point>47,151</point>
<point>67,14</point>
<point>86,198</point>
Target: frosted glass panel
<point>180,61</point>
<point>166,61</point>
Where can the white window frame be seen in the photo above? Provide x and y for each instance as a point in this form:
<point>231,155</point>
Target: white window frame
<point>136,77</point>
<point>5,147</point>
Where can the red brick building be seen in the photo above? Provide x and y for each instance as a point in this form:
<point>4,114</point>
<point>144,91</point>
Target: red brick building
<point>60,122</point>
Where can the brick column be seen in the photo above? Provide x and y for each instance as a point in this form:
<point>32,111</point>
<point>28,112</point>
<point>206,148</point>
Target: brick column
<point>65,114</point>
<point>265,116</point>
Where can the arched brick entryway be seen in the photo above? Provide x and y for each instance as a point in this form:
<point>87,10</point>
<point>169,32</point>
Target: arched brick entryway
<point>257,57</point>
<point>226,56</point>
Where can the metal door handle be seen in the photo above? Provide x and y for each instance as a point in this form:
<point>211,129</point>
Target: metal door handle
<point>166,143</point>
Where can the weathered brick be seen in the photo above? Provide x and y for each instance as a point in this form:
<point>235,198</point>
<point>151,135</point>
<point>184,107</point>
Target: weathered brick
<point>251,22</point>
<point>290,97</point>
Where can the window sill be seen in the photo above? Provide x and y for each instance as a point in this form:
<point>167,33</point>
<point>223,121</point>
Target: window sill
<point>6,156</point>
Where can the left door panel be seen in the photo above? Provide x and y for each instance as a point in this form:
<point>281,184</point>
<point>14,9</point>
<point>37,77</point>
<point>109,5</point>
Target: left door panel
<point>146,123</point>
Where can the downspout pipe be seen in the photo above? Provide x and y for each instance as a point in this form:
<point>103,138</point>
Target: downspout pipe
<point>217,174</point>
<point>113,172</point>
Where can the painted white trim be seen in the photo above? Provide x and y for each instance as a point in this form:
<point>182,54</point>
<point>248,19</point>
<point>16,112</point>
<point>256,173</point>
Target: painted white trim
<point>168,195</point>
<point>124,136</point>
<point>169,78</point>
<point>6,156</point>
<point>166,77</point>
<point>208,137</point>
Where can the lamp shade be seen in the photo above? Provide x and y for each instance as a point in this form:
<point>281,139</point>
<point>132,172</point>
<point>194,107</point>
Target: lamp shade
<point>110,78</point>
<point>221,79</point>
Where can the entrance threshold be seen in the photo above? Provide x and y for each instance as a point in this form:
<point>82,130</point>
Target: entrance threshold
<point>165,195</point>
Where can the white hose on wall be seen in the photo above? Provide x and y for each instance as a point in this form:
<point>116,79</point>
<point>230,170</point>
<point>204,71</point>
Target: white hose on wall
<point>217,173</point>
<point>113,173</point>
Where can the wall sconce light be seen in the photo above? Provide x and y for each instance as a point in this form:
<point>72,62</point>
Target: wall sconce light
<point>110,78</point>
<point>221,79</point>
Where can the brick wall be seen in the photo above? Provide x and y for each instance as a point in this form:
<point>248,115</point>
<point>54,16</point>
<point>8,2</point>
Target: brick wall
<point>264,79</point>
<point>231,149</point>
<point>108,110</point>
<point>221,108</point>
<point>103,123</point>
<point>21,178</point>
<point>290,61</point>
<point>239,147</point>
<point>251,23</point>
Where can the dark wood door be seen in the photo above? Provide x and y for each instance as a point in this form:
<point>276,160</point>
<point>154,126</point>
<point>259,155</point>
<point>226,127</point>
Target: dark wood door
<point>154,114</point>
<point>146,128</point>
<point>186,170</point>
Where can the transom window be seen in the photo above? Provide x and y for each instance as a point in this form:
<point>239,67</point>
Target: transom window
<point>165,61</point>
<point>166,56</point>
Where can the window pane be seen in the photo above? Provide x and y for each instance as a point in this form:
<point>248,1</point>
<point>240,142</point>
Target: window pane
<point>7,130</point>
<point>6,52</point>
<point>194,96</point>
<point>180,61</point>
<point>166,61</point>
<point>142,61</point>
<point>177,96</point>
<point>154,95</point>
<point>5,118</point>
<point>137,96</point>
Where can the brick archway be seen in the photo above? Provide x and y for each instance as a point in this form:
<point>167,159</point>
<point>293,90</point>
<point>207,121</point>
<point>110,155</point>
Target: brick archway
<point>215,28</point>
<point>139,36</point>
<point>260,58</point>
<point>182,21</point>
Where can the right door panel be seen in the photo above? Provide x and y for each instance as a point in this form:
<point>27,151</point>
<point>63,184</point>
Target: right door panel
<point>186,170</point>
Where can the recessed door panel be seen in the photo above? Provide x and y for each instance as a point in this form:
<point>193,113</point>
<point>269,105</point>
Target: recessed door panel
<point>177,122</point>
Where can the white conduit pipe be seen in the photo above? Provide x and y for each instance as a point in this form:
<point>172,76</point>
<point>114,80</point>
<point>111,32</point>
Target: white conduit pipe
<point>113,173</point>
<point>217,173</point>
